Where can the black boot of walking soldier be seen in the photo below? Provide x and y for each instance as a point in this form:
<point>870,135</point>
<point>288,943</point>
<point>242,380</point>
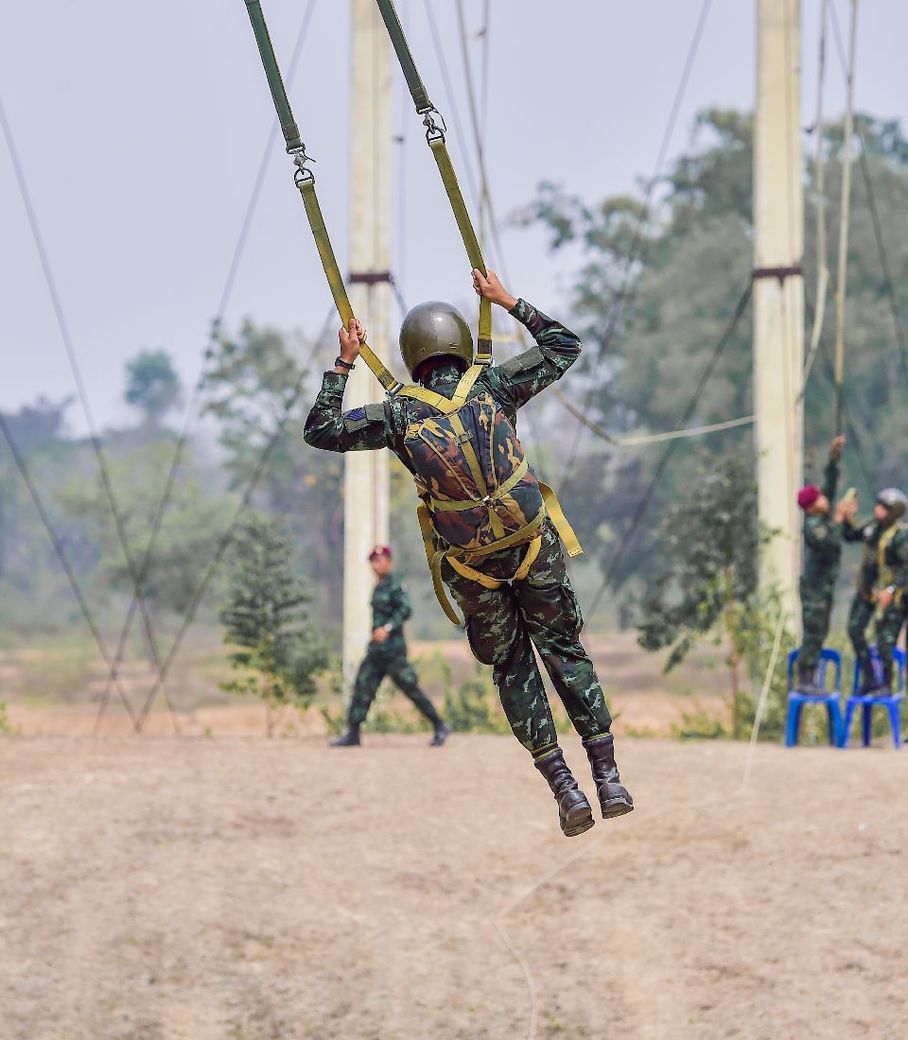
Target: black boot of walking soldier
<point>348,739</point>
<point>574,812</point>
<point>614,797</point>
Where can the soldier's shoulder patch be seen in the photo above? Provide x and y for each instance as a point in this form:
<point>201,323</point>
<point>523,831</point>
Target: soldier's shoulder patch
<point>522,366</point>
<point>356,413</point>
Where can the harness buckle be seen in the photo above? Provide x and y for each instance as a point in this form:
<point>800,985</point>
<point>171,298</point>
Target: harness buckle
<point>435,131</point>
<point>302,174</point>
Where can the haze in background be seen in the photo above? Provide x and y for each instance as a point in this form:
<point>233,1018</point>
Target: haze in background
<point>141,127</point>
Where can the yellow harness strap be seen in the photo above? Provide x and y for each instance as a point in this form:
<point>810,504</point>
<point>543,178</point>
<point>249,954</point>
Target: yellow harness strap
<point>561,522</point>
<point>466,385</point>
<point>446,506</point>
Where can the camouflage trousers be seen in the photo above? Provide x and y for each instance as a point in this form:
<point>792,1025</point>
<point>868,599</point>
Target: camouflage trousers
<point>378,663</point>
<point>503,626</point>
<point>886,629</point>
<point>816,611</point>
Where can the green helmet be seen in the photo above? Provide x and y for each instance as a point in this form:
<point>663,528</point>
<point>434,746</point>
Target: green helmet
<point>432,330</point>
<point>894,500</point>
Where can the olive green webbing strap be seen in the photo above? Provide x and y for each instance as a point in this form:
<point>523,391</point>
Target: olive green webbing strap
<point>405,56</point>
<point>275,80</point>
<point>436,137</point>
<point>470,242</point>
<point>305,181</point>
<point>306,186</point>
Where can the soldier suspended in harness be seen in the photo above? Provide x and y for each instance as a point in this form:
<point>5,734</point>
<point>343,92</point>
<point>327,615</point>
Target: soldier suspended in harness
<point>490,527</point>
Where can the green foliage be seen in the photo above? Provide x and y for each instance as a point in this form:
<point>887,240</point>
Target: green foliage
<point>152,385</point>
<point>277,653</point>
<point>706,582</point>
<point>188,536</point>
<point>692,262</point>
<point>6,727</point>
<point>698,724</point>
<point>254,385</point>
<point>473,706</point>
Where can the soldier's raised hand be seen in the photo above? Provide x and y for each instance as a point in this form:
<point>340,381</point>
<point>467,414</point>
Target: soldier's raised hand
<point>835,449</point>
<point>351,338</point>
<point>489,286</point>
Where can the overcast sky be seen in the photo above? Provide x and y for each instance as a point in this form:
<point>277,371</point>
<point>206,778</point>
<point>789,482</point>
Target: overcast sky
<point>140,127</point>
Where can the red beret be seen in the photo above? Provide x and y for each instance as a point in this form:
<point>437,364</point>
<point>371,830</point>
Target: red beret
<point>808,495</point>
<point>380,550</point>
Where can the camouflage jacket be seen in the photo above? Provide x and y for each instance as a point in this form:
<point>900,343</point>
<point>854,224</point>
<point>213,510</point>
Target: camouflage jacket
<point>823,541</point>
<point>391,608</point>
<point>870,534</point>
<point>511,385</point>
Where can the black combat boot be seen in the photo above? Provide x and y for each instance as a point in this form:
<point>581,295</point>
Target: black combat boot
<point>884,689</point>
<point>868,678</point>
<point>614,797</point>
<point>574,812</point>
<point>348,739</point>
<point>806,682</point>
<point>442,732</point>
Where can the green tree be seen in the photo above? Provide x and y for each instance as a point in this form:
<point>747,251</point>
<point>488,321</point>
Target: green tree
<point>187,538</point>
<point>254,386</point>
<point>651,326</point>
<point>705,584</point>
<point>277,653</point>
<point>152,385</point>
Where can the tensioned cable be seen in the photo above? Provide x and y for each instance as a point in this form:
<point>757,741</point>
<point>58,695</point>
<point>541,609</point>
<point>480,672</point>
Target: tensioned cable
<point>624,291</point>
<point>57,543</point>
<point>227,536</point>
<point>485,202</point>
<point>449,95</point>
<point>874,212</point>
<point>75,367</point>
<point>225,296</point>
<point>820,192</point>
<point>842,274</point>
<point>664,460</point>
<point>650,438</point>
<point>486,197</point>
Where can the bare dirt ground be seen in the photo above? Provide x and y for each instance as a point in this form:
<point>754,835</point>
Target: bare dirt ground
<point>210,889</point>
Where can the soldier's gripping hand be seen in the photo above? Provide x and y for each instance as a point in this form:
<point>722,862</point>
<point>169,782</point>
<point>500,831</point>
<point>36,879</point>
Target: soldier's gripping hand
<point>351,338</point>
<point>490,287</point>
<point>380,635</point>
<point>846,508</point>
<point>835,449</point>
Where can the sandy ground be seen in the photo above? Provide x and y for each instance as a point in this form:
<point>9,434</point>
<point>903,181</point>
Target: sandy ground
<point>239,888</point>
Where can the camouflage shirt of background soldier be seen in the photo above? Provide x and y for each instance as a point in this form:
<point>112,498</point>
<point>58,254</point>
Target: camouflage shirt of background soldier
<point>511,385</point>
<point>823,542</point>
<point>390,609</point>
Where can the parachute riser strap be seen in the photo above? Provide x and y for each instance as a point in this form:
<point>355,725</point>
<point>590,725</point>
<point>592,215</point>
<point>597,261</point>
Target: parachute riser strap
<point>405,56</point>
<point>305,181</point>
<point>306,185</point>
<point>470,242</point>
<point>275,81</point>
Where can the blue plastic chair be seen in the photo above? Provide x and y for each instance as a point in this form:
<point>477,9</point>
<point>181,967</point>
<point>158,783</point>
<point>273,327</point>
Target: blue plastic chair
<point>890,702</point>
<point>831,698</point>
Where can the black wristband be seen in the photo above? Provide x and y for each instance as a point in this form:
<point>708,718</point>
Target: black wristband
<point>340,363</point>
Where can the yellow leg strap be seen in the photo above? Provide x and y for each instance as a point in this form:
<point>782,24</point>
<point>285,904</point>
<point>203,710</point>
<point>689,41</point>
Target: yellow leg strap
<point>474,575</point>
<point>529,559</point>
<point>562,525</point>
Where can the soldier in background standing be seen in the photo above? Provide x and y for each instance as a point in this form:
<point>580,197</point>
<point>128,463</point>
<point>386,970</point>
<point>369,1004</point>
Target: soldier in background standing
<point>822,558</point>
<point>882,584</point>
<point>387,655</point>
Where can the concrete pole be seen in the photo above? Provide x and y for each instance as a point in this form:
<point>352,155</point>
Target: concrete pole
<point>779,292</point>
<point>366,495</point>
